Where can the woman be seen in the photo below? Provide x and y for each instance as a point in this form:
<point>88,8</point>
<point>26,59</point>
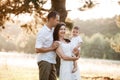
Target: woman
<point>65,53</point>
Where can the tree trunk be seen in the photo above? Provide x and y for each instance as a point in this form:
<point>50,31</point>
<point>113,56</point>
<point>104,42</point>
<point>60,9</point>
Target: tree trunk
<point>59,6</point>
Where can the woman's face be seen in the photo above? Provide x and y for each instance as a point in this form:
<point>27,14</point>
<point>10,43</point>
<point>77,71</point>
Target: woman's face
<point>62,31</point>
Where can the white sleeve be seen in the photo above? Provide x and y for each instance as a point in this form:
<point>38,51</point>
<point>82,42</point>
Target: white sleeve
<point>40,40</point>
<point>80,39</point>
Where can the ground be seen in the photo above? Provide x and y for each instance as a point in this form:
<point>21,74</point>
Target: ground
<point>21,66</point>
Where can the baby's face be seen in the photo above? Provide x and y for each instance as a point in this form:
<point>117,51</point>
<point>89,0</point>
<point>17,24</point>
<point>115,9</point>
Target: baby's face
<point>75,32</point>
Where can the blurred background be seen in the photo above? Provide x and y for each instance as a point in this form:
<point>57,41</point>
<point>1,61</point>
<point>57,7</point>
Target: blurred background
<point>99,22</point>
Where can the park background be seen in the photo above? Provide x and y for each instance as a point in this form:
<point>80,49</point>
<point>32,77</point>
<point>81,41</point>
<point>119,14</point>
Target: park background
<point>99,22</point>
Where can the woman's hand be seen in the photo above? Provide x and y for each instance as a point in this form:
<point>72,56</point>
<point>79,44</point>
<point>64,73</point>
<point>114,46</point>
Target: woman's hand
<point>75,58</point>
<point>61,54</point>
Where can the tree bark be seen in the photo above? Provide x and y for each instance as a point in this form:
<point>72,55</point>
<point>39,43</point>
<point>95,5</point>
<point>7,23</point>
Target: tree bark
<point>59,6</point>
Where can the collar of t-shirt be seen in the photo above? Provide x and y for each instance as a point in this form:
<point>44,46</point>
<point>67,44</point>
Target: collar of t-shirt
<point>49,28</point>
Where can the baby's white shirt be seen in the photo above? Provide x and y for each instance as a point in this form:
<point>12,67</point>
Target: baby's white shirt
<point>75,41</point>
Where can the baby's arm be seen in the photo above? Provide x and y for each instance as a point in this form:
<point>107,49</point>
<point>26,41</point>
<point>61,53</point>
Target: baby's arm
<point>79,45</point>
<point>77,48</point>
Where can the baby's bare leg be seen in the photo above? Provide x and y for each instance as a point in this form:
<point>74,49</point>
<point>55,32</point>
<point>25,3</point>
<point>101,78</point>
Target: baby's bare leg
<point>74,66</point>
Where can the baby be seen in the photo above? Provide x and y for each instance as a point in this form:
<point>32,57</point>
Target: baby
<point>76,41</point>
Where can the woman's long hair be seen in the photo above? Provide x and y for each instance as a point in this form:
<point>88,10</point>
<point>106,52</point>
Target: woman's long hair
<point>56,32</point>
<point>56,38</point>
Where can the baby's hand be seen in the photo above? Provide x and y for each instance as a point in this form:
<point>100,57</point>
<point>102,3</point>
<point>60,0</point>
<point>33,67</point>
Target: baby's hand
<point>75,51</point>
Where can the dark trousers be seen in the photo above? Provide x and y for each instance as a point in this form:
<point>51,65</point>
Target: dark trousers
<point>47,71</point>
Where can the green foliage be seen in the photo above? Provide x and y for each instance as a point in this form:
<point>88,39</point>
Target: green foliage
<point>69,25</point>
<point>29,47</point>
<point>4,44</point>
<point>97,46</point>
<point>115,42</point>
<point>118,20</point>
<point>25,46</point>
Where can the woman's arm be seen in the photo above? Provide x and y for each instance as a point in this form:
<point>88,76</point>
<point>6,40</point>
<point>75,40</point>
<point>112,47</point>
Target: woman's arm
<point>60,53</point>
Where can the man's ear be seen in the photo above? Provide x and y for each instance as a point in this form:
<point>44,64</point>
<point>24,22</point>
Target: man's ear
<point>53,18</point>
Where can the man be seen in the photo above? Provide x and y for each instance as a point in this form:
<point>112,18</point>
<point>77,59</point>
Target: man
<point>45,48</point>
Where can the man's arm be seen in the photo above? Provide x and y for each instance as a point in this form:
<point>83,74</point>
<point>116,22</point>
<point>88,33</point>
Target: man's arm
<point>43,49</point>
<point>40,42</point>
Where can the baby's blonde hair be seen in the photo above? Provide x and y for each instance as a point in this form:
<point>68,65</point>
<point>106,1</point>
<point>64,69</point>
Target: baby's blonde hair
<point>76,27</point>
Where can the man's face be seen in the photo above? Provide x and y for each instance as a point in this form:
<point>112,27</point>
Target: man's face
<point>55,21</point>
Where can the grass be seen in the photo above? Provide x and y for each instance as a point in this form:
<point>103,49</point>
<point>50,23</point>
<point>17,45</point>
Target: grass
<point>18,73</point>
<point>24,67</point>
<point>96,69</point>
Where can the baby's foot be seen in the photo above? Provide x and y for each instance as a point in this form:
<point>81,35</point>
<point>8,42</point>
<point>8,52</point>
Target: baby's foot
<point>74,70</point>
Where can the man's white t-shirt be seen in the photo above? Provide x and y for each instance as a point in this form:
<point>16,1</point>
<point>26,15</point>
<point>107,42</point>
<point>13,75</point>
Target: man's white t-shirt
<point>45,39</point>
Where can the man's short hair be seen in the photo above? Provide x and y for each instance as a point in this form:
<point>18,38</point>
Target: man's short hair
<point>52,14</point>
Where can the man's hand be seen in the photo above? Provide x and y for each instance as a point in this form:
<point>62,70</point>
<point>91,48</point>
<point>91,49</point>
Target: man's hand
<point>55,45</point>
<point>44,49</point>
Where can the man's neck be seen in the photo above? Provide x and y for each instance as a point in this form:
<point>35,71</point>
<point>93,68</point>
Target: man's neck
<point>49,26</point>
